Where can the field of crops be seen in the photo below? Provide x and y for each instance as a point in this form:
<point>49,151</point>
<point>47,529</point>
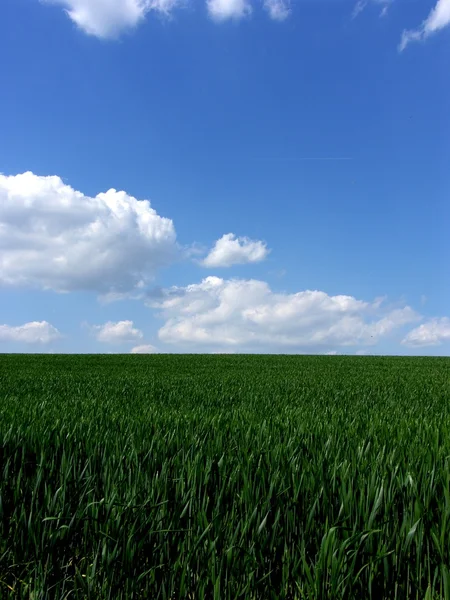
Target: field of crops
<point>223,477</point>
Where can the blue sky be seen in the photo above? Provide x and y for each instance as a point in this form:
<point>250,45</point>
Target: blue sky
<point>294,156</point>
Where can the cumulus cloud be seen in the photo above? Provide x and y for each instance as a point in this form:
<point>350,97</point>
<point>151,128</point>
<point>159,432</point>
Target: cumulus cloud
<point>247,314</point>
<point>143,349</point>
<point>117,333</point>
<point>278,10</point>
<point>222,10</point>
<point>109,18</point>
<point>35,332</point>
<point>438,18</point>
<point>231,250</point>
<point>54,237</point>
<point>432,333</point>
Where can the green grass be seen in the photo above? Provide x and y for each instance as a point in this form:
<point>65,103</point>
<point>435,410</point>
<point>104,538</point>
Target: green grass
<point>256,477</point>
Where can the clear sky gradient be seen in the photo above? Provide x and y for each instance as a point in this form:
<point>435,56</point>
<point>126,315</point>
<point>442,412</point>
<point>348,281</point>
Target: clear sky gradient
<point>314,136</point>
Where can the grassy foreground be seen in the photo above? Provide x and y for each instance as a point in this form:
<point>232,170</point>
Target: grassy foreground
<point>223,477</point>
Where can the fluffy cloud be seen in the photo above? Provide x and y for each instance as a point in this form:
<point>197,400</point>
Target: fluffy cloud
<point>222,10</point>
<point>230,250</point>
<point>278,10</point>
<point>109,18</point>
<point>29,333</point>
<point>438,18</point>
<point>246,314</point>
<point>143,349</point>
<point>117,333</point>
<point>54,237</point>
<point>432,333</point>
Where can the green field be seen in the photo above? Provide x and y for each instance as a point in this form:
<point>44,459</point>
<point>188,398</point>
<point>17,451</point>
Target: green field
<point>256,477</point>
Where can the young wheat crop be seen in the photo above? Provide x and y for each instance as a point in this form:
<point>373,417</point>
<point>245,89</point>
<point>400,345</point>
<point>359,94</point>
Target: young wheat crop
<point>224,477</point>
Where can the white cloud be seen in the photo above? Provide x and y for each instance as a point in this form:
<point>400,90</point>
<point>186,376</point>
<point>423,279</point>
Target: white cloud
<point>361,5</point>
<point>432,333</point>
<point>246,314</point>
<point>231,250</point>
<point>54,237</point>
<point>109,18</point>
<point>29,333</point>
<point>278,10</point>
<point>438,18</point>
<point>117,333</point>
<point>222,10</point>
<point>143,349</point>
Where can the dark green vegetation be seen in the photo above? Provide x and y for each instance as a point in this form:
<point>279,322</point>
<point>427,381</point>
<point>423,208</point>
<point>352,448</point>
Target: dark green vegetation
<point>256,477</point>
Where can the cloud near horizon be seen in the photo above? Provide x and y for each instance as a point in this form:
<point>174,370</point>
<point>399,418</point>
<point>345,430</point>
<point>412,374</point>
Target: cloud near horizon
<point>53,237</point>
<point>117,333</point>
<point>35,332</point>
<point>247,314</point>
<point>433,332</point>
<point>144,349</point>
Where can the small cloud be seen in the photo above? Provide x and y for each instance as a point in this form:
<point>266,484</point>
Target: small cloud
<point>278,10</point>
<point>409,36</point>
<point>432,333</point>
<point>35,332</point>
<point>117,333</point>
<point>384,10</point>
<point>358,8</point>
<point>108,19</point>
<point>231,250</point>
<point>143,349</point>
<point>331,353</point>
<point>223,10</point>
<point>361,5</point>
<point>438,18</point>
